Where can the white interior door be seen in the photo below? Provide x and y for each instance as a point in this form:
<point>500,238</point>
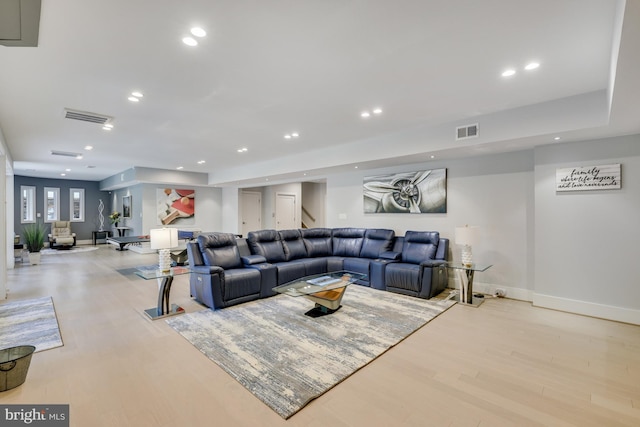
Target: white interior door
<point>286,211</point>
<point>251,212</point>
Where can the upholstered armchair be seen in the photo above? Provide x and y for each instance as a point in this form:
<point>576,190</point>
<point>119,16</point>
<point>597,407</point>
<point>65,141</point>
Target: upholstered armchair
<point>61,236</point>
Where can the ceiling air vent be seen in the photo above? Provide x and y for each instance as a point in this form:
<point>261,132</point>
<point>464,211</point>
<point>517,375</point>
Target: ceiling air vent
<point>85,116</point>
<point>66,154</point>
<point>467,131</point>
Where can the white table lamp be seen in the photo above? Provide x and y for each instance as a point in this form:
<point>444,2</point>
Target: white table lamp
<point>164,239</point>
<point>467,236</point>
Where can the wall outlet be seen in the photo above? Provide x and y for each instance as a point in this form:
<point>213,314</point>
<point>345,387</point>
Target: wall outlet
<point>500,293</point>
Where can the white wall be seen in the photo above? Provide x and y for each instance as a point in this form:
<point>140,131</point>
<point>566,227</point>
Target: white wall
<point>230,211</point>
<point>269,202</point>
<point>587,241</point>
<point>492,192</point>
<point>208,208</point>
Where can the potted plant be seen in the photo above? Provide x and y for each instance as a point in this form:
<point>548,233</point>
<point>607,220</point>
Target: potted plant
<point>115,218</point>
<point>34,239</point>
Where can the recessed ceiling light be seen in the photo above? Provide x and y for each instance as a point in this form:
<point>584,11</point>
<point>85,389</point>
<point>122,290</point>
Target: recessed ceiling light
<point>201,162</point>
<point>557,138</point>
<point>106,128</point>
<point>79,157</point>
<point>180,168</point>
<point>189,41</point>
<point>88,147</point>
<point>433,157</point>
<point>242,150</point>
<point>67,170</point>
<point>137,94</point>
<point>198,32</point>
<point>508,73</point>
<point>63,174</point>
<point>294,134</point>
<point>287,136</point>
<point>109,125</point>
<point>377,111</point>
<point>365,114</point>
<point>133,99</point>
<point>531,66</point>
<point>355,167</point>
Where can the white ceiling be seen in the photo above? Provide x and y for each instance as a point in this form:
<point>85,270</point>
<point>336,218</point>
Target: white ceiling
<point>267,68</point>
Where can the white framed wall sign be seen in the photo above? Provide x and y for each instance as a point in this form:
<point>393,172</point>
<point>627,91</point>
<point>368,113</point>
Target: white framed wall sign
<point>603,177</point>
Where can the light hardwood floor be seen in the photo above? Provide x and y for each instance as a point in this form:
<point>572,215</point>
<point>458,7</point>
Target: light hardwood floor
<point>503,364</point>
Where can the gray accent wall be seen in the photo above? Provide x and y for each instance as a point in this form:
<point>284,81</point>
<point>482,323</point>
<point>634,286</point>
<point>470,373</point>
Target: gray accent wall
<point>91,195</point>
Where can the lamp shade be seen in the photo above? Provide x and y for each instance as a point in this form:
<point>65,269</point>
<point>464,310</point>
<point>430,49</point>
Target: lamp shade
<point>163,238</point>
<point>466,235</point>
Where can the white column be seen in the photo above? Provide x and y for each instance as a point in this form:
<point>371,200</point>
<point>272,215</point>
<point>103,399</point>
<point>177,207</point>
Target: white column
<point>4,238</point>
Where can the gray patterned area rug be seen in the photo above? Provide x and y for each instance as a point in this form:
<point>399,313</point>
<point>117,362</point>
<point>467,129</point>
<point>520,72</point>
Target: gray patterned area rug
<point>287,359</point>
<point>29,322</point>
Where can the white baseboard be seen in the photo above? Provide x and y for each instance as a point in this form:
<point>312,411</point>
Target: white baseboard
<point>609,312</point>
<point>490,289</point>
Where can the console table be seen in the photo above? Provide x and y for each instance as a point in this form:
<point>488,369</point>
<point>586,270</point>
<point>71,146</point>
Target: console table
<point>122,231</point>
<point>163,308</point>
<point>465,275</point>
<point>100,234</point>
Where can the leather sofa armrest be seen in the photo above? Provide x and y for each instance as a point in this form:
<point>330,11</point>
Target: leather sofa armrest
<point>394,256</point>
<point>207,269</point>
<point>433,263</point>
<point>253,259</point>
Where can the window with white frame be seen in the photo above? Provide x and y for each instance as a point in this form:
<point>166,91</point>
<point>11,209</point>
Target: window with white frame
<point>51,204</point>
<point>27,204</point>
<point>76,207</point>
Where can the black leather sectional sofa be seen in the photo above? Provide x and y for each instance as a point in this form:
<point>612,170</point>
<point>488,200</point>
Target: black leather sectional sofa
<point>230,270</point>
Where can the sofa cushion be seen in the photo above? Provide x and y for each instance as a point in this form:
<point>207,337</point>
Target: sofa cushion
<point>266,243</point>
<point>292,244</point>
<point>419,246</point>
<point>317,241</point>
<point>376,241</point>
<point>347,241</point>
<point>358,265</point>
<point>220,249</point>
<point>290,271</point>
<point>403,276</point>
<point>241,282</point>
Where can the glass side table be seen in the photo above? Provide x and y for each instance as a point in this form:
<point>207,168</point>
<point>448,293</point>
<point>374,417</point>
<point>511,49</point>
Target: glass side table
<point>465,275</point>
<point>165,278</point>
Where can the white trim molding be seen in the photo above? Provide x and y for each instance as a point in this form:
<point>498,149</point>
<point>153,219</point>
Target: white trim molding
<point>602,311</point>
